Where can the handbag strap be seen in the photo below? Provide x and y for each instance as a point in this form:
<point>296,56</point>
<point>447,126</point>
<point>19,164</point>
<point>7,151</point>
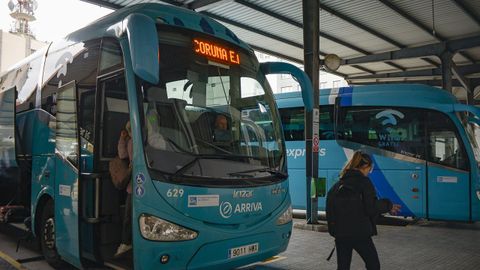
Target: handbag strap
<point>331,253</point>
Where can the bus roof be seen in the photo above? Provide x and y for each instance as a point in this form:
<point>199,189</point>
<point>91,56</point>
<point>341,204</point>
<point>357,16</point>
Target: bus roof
<point>411,95</point>
<point>166,14</point>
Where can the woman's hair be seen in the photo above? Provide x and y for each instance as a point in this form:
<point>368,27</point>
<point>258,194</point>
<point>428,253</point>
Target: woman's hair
<point>128,128</point>
<point>359,160</point>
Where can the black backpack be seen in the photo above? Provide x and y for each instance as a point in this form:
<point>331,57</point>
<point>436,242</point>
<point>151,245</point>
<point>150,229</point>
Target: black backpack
<point>344,210</point>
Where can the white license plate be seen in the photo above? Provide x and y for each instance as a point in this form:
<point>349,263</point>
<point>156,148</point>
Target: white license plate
<point>243,250</point>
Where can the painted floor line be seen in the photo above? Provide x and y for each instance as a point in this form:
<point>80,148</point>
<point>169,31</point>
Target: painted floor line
<point>12,261</point>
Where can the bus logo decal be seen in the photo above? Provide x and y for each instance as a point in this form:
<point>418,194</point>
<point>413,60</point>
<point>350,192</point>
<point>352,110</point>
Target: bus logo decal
<point>296,152</point>
<point>242,193</point>
<point>226,209</point>
<point>278,190</point>
<point>390,116</point>
<point>300,152</point>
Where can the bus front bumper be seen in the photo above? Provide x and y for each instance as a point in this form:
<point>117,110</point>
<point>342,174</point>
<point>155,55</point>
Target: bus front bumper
<point>222,254</point>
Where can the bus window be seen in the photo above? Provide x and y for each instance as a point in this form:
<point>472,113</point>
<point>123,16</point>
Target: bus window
<point>87,113</point>
<point>251,87</point>
<point>115,114</point>
<point>326,123</point>
<point>445,147</point>
<point>294,123</point>
<point>77,62</point>
<point>111,58</point>
<point>399,130</point>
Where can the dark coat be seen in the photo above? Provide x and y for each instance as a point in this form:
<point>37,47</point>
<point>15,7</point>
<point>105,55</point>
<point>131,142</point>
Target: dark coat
<point>360,220</point>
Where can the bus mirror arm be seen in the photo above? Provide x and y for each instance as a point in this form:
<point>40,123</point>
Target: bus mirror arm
<point>298,74</point>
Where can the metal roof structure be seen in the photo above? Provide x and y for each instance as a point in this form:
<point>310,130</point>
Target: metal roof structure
<point>377,40</point>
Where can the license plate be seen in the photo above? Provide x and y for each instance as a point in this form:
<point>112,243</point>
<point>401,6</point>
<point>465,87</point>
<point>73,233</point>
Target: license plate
<point>243,250</point>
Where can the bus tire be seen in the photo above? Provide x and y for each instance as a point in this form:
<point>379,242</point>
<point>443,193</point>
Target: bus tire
<point>47,236</point>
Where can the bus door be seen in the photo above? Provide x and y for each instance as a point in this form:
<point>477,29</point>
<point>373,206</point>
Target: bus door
<point>8,172</point>
<point>67,175</point>
<point>394,136</point>
<point>448,170</point>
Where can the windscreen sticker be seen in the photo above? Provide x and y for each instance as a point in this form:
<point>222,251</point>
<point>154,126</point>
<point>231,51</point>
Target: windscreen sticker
<point>64,190</point>
<point>203,200</point>
<point>447,179</point>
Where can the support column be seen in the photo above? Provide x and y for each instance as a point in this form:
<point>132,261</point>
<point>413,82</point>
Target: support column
<point>446,58</point>
<point>470,99</point>
<point>311,28</point>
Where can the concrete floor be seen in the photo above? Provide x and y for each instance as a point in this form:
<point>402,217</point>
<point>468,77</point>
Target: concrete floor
<point>426,245</point>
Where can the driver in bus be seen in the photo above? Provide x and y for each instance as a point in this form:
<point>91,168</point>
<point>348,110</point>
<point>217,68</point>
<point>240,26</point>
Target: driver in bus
<point>221,132</point>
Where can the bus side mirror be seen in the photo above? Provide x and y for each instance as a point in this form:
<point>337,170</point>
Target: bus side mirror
<point>298,74</point>
<point>143,43</point>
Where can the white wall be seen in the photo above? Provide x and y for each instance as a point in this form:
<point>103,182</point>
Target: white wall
<point>15,47</point>
<point>285,83</point>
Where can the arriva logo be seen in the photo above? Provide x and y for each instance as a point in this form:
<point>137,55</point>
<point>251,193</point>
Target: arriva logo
<point>226,209</point>
<point>300,152</point>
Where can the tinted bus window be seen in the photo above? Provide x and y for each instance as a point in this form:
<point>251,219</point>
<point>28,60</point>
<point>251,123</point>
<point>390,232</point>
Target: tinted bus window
<point>111,58</point>
<point>399,130</point>
<point>444,145</point>
<point>293,121</point>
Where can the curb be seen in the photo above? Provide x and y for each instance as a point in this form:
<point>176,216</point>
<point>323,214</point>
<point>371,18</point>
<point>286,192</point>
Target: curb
<point>12,261</point>
<point>321,227</point>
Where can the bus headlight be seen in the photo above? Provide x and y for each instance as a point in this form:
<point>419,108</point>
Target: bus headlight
<point>157,229</point>
<point>286,217</point>
<point>478,194</point>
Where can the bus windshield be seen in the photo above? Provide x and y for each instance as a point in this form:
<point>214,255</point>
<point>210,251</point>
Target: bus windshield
<point>210,118</point>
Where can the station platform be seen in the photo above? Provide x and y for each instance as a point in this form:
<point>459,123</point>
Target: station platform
<point>428,245</point>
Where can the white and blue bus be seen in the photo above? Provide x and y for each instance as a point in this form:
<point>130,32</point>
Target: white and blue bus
<point>424,143</point>
<point>202,199</point>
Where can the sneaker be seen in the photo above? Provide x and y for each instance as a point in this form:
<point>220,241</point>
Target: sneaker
<point>122,249</point>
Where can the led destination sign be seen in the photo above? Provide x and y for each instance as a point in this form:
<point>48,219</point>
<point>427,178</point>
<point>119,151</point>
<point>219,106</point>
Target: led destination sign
<point>215,51</point>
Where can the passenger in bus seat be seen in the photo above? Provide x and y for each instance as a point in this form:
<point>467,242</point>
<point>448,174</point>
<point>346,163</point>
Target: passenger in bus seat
<point>125,150</point>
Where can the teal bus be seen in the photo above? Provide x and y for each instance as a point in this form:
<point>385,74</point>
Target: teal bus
<point>201,198</point>
<point>423,141</point>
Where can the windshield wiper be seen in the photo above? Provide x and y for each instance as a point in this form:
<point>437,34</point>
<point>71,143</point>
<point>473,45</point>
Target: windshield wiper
<point>189,164</point>
<point>265,169</point>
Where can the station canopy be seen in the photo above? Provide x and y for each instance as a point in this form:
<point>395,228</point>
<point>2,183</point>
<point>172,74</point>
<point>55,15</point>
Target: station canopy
<point>377,40</point>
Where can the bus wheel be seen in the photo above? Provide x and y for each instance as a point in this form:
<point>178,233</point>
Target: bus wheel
<point>46,234</point>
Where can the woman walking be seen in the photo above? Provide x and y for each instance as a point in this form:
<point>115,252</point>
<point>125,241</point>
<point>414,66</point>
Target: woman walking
<point>352,209</point>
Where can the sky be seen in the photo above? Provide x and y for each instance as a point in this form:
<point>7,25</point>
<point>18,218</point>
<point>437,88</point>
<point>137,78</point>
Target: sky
<point>56,18</point>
